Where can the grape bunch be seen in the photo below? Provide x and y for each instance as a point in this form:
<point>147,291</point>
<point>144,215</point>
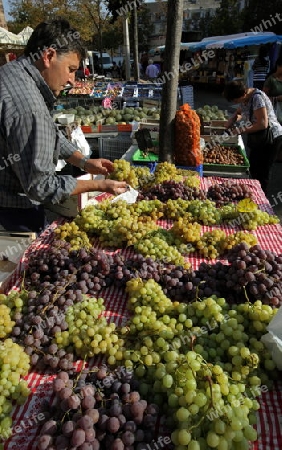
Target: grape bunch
<point>88,332</point>
<point>166,171</point>
<point>187,230</point>
<point>101,409</point>
<point>170,189</point>
<point>228,191</point>
<point>247,219</point>
<point>157,247</point>
<point>123,171</point>
<point>152,208</point>
<point>207,369</point>
<point>15,300</point>
<point>37,325</point>
<point>175,209</point>
<point>6,323</point>
<point>204,212</point>
<point>14,364</point>
<point>210,243</point>
<point>127,231</point>
<point>71,233</point>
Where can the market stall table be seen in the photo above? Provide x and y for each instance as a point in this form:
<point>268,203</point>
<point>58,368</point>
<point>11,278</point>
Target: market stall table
<point>26,419</point>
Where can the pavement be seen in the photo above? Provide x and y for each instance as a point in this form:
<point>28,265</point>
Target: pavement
<point>207,95</point>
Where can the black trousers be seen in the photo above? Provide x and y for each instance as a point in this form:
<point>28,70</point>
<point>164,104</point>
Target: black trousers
<point>23,219</point>
<point>261,161</point>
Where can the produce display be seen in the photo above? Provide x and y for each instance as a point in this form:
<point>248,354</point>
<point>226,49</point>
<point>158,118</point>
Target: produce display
<point>223,154</point>
<point>103,89</point>
<point>99,115</point>
<point>209,113</point>
<point>184,358</point>
<point>82,88</point>
<point>228,192</point>
<point>99,409</point>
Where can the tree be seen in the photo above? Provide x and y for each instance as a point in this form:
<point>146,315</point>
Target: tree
<point>171,73</point>
<point>89,17</point>
<point>127,10</point>
<point>112,35</point>
<point>228,19</point>
<point>145,28</point>
<point>205,25</point>
<point>262,16</point>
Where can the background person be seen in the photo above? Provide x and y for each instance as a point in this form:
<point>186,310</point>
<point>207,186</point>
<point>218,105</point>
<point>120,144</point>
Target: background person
<point>152,71</point>
<point>273,88</point>
<point>28,90</point>
<point>260,67</point>
<point>255,108</point>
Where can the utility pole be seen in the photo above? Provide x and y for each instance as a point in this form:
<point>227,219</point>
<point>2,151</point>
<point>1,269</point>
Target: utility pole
<point>126,46</point>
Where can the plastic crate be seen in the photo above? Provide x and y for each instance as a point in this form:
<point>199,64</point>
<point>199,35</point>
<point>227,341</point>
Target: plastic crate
<point>229,167</point>
<point>113,148</point>
<point>124,128</point>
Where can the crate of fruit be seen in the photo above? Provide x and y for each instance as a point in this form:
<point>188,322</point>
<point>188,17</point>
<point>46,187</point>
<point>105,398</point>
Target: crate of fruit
<point>225,158</point>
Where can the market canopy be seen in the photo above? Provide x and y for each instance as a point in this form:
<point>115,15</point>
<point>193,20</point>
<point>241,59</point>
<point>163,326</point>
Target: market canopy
<point>237,40</point>
<point>25,34</point>
<point>183,46</point>
<point>6,37</point>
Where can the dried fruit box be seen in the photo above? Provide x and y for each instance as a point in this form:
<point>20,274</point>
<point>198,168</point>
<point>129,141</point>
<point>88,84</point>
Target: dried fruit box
<point>229,168</point>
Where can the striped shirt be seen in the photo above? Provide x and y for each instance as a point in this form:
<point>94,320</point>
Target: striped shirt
<point>30,142</point>
<point>260,69</point>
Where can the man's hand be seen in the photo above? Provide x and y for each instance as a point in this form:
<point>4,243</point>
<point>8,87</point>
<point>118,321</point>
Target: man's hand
<point>113,187</point>
<point>99,166</point>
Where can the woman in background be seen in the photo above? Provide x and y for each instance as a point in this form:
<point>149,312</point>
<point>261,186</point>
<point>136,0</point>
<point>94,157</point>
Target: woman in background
<point>260,68</point>
<point>255,113</point>
<point>273,87</point>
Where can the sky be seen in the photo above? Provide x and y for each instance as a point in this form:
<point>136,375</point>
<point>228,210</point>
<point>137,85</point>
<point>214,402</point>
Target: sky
<point>6,8</point>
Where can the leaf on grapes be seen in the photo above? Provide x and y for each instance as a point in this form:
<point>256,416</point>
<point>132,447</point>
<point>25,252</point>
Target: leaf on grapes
<point>246,205</point>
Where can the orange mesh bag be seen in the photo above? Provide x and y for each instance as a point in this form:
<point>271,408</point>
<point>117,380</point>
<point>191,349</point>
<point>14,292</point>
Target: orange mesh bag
<point>187,137</point>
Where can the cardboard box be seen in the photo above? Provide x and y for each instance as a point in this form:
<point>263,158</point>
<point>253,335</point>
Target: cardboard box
<point>12,247</point>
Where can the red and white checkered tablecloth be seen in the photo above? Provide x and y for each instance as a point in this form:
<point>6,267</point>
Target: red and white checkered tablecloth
<point>26,419</point>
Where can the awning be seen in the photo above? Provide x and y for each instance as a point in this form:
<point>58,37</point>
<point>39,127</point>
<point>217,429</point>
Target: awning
<point>25,34</point>
<point>6,37</point>
<point>235,41</point>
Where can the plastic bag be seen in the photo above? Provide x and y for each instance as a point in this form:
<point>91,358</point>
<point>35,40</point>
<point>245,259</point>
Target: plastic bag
<point>129,196</point>
<point>79,140</point>
<point>273,339</point>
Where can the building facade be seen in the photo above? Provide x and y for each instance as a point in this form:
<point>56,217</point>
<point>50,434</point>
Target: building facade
<point>193,12</point>
<point>3,23</point>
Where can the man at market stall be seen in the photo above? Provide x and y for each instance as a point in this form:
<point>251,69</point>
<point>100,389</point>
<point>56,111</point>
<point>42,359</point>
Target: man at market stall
<point>30,142</point>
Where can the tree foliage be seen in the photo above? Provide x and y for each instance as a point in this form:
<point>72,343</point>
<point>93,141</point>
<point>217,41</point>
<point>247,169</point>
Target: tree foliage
<point>263,16</point>
<point>90,17</point>
<point>145,28</point>
<point>228,19</point>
